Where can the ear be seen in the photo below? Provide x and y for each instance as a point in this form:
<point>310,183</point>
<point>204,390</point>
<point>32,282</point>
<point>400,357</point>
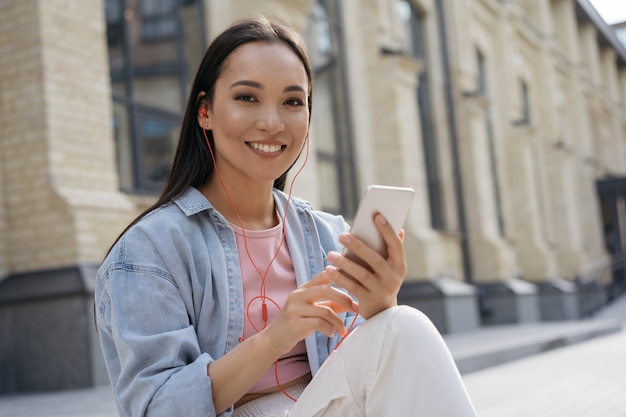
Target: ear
<point>204,116</point>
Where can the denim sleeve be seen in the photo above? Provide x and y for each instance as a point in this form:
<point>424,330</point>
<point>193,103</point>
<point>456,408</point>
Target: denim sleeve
<point>152,351</point>
<point>329,227</point>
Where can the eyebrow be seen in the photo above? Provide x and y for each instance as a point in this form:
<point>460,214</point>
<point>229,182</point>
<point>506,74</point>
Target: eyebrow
<point>260,86</point>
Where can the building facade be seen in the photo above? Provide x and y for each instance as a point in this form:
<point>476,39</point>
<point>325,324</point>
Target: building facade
<point>508,118</point>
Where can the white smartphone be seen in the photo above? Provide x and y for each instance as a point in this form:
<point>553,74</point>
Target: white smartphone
<point>392,202</point>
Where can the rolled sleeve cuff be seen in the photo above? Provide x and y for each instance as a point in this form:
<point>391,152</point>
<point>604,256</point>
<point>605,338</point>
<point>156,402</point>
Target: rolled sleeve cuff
<point>187,392</point>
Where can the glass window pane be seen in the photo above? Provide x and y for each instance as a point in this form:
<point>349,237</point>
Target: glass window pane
<point>411,41</point>
<point>331,122</point>
<point>158,19</point>
<point>158,138</point>
<point>323,115</point>
<point>330,190</point>
<point>318,37</point>
<point>163,92</point>
<point>153,46</point>
<point>124,145</point>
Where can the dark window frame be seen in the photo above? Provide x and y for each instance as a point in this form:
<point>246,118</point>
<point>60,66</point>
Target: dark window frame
<point>483,90</point>
<point>343,157</point>
<point>424,100</point>
<point>135,110</point>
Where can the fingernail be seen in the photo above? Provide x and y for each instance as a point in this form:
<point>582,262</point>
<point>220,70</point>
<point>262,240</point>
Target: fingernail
<point>381,219</point>
<point>345,238</point>
<point>333,256</point>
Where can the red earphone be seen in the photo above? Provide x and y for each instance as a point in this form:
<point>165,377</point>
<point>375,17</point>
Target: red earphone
<point>263,275</point>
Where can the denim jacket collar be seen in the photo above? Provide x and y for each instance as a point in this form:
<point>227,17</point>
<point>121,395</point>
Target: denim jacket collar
<point>192,201</point>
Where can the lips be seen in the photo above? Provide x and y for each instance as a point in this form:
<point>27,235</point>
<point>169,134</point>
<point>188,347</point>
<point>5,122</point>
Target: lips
<point>265,148</point>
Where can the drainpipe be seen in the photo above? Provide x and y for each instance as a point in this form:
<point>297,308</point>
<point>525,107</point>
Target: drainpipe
<point>483,306</point>
<point>456,162</point>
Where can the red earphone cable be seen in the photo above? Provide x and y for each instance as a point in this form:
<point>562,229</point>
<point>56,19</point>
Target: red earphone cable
<point>263,276</point>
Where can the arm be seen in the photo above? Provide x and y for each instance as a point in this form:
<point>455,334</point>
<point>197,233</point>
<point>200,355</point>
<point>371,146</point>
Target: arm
<point>311,307</point>
<point>150,348</point>
<point>236,372</point>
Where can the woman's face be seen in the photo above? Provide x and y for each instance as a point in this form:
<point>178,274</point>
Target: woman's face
<point>259,116</point>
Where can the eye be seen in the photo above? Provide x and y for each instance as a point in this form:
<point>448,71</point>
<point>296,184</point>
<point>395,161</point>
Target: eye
<point>245,97</point>
<point>294,102</point>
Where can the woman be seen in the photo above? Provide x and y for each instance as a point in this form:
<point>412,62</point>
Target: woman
<point>218,299</point>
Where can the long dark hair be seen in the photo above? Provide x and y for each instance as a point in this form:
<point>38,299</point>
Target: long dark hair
<point>192,165</point>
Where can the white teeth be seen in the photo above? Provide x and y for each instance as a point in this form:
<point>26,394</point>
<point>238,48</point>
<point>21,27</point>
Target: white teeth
<point>265,148</point>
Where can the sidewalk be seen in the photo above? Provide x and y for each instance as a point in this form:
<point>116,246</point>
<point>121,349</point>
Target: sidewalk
<point>582,380</point>
<point>505,371</point>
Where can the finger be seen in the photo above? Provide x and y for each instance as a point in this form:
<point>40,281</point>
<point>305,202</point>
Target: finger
<point>360,271</point>
<point>395,250</point>
<point>326,293</point>
<point>320,279</point>
<point>347,282</point>
<point>355,247</point>
<point>338,308</point>
<point>322,326</point>
<point>324,319</point>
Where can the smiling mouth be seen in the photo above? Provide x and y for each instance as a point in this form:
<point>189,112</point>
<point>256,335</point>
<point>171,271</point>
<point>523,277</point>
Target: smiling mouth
<point>262,147</point>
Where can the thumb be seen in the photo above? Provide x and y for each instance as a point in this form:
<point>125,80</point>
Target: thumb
<point>323,278</point>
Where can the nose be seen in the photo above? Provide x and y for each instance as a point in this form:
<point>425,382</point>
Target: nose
<point>270,120</point>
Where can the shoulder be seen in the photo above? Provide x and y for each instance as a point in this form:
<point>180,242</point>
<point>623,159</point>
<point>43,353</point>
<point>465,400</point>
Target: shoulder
<point>165,232</point>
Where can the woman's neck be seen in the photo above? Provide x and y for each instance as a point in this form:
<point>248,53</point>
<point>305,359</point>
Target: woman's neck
<point>254,204</point>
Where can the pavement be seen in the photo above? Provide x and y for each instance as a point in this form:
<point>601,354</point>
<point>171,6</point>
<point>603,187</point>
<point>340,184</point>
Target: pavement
<point>581,379</point>
<point>548,369</point>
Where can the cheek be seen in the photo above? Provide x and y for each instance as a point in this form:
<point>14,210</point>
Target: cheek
<point>299,124</point>
<point>231,120</point>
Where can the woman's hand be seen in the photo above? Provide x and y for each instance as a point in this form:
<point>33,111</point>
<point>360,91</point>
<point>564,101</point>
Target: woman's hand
<point>376,288</point>
<point>313,306</point>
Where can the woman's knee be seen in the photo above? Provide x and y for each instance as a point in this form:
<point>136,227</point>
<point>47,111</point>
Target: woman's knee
<point>404,316</point>
<point>408,325</point>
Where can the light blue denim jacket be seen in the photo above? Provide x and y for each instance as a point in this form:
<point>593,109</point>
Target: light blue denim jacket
<point>169,300</point>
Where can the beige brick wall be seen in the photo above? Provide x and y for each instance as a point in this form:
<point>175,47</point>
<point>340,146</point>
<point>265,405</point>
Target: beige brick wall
<point>4,260</point>
<point>58,168</point>
<point>577,114</point>
<point>60,203</point>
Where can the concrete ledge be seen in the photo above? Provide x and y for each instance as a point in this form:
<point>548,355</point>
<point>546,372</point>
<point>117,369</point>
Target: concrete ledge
<point>497,345</point>
<point>509,301</point>
<point>450,304</point>
<point>61,282</point>
<point>558,300</point>
<point>592,296</point>
<point>48,317</point>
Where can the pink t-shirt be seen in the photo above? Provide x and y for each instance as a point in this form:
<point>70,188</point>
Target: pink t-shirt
<point>279,283</point>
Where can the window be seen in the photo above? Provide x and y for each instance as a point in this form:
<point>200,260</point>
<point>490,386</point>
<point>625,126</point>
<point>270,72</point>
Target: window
<point>539,185</point>
<point>621,35</point>
<point>412,43</point>
<point>113,12</point>
<point>148,57</point>
<point>524,106</point>
<point>159,19</point>
<point>333,143</point>
<point>482,88</point>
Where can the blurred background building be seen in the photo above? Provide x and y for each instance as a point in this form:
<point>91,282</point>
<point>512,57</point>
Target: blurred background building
<point>508,117</point>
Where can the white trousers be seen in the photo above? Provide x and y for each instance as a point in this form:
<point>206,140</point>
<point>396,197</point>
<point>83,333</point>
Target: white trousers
<point>394,364</point>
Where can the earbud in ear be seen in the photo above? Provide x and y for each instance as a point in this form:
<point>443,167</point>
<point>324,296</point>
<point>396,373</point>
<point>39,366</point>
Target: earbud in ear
<point>203,112</point>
